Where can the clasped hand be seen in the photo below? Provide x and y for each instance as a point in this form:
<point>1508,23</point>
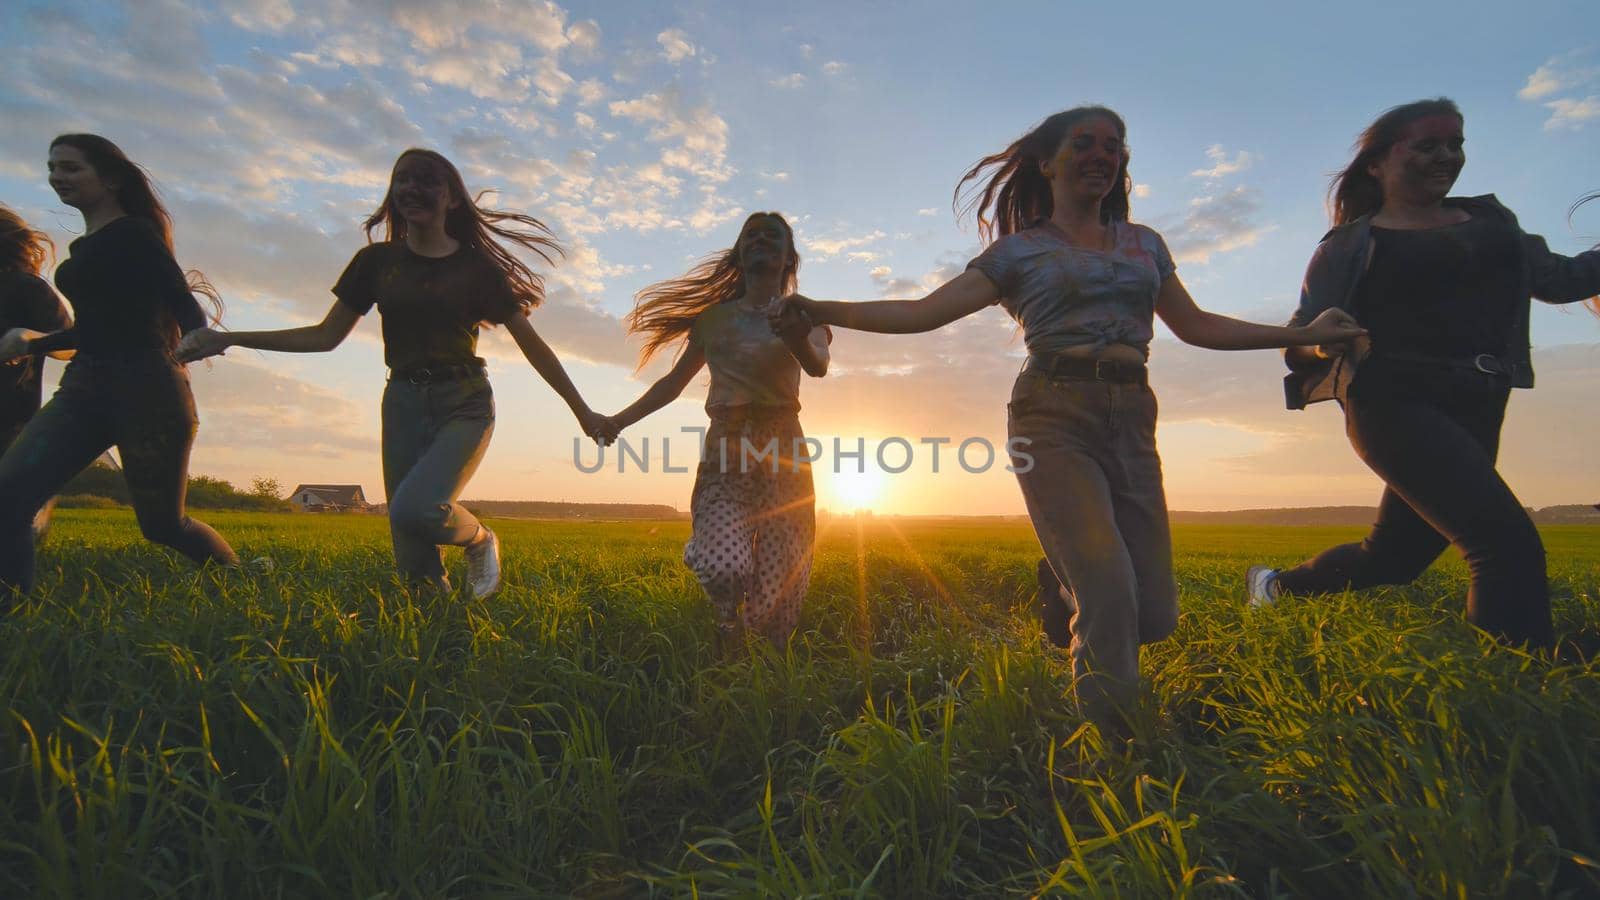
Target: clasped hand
<point>199,344</point>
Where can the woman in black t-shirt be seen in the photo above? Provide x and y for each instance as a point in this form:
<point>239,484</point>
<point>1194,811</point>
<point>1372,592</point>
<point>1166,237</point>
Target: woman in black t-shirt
<point>26,301</point>
<point>1442,284</point>
<point>437,277</point>
<point>124,387</point>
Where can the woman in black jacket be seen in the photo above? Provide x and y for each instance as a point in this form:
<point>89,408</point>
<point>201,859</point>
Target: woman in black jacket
<point>1442,285</point>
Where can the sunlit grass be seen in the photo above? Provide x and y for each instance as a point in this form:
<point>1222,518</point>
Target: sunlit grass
<point>315,732</point>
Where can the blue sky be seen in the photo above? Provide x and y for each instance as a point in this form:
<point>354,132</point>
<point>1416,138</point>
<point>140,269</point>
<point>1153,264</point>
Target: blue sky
<point>644,132</point>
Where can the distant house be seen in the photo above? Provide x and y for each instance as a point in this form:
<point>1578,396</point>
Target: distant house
<point>329,498</point>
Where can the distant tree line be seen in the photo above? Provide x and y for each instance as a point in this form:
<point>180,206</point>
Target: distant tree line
<point>102,485</point>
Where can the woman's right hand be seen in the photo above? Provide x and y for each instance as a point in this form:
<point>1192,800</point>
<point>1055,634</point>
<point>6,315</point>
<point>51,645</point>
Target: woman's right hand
<point>201,343</point>
<point>1334,327</point>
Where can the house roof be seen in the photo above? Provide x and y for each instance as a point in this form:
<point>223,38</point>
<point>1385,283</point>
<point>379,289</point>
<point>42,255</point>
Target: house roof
<point>332,493</point>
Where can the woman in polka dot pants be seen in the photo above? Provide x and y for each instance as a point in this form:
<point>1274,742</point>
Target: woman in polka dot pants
<point>753,511</point>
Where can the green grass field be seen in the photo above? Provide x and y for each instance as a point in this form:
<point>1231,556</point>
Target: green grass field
<point>314,732</point>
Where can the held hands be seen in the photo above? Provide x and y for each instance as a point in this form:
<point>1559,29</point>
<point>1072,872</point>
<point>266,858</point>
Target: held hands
<point>790,316</point>
<point>201,343</point>
<point>603,429</point>
<point>14,345</point>
<point>1335,332</point>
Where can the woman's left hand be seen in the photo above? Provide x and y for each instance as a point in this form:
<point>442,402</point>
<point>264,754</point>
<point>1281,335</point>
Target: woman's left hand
<point>788,318</point>
<point>1334,326</point>
<point>14,344</point>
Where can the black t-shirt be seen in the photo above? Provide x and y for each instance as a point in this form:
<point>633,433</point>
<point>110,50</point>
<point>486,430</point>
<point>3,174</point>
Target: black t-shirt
<point>431,306</point>
<point>26,301</point>
<point>126,290</point>
<point>1450,292</point>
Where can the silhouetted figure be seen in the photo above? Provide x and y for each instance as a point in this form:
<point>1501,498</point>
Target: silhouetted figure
<point>1085,284</point>
<point>753,515</point>
<point>1442,285</point>
<point>26,301</point>
<point>123,388</point>
<point>439,274</point>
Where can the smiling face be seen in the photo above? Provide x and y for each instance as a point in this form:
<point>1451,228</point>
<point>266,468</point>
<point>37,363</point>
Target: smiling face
<point>75,181</point>
<point>1088,160</point>
<point>1423,164</point>
<point>765,244</point>
<point>419,191</point>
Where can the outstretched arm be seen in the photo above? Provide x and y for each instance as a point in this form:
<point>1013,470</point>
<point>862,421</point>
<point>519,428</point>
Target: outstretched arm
<point>544,362</point>
<point>665,390</point>
<point>319,338</point>
<point>1193,325</point>
<point>960,296</point>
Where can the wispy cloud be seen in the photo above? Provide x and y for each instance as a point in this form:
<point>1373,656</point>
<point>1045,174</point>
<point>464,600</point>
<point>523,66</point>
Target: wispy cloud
<point>1573,74</point>
<point>1221,165</point>
<point>1216,223</point>
<point>675,45</point>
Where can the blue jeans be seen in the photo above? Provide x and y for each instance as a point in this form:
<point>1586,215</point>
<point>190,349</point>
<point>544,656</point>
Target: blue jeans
<point>1094,493</point>
<point>434,436</point>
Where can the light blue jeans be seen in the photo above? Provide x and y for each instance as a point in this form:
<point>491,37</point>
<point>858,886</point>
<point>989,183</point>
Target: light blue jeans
<point>434,436</point>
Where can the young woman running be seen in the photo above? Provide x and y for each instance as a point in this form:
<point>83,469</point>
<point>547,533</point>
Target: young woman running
<point>27,303</point>
<point>1442,285</point>
<point>439,274</point>
<point>753,510</point>
<point>1084,283</point>
<point>123,387</point>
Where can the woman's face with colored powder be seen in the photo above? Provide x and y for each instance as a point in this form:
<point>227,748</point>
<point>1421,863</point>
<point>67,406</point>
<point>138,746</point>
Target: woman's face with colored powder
<point>1422,166</point>
<point>420,191</point>
<point>1088,159</point>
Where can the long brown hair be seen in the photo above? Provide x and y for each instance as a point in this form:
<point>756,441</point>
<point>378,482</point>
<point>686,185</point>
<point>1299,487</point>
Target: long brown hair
<point>665,311</point>
<point>1355,192</point>
<point>1015,193</point>
<point>22,247</point>
<point>477,227</point>
<point>136,194</point>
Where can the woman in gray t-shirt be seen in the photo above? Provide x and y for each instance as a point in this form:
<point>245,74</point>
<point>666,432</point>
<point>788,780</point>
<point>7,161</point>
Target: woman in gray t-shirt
<point>1085,284</point>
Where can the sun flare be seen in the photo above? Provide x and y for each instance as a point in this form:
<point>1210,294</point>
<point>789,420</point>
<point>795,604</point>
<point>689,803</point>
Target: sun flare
<point>856,491</point>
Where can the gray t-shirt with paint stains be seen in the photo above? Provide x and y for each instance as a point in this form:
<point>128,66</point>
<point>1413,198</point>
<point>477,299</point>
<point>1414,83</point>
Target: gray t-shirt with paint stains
<point>1066,296</point>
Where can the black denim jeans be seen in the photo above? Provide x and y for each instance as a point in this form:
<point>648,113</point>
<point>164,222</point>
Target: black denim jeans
<point>1432,434</point>
<point>142,405</point>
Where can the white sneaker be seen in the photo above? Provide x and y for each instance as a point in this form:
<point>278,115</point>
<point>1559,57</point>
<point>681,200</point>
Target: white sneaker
<point>1261,584</point>
<point>483,563</point>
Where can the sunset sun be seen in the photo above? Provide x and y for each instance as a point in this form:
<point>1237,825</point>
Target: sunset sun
<point>856,491</point>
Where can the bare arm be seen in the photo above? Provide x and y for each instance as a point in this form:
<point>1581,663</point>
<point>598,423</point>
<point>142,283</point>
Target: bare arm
<point>960,296</point>
<point>808,343</point>
<point>549,367</point>
<point>1193,325</point>
<point>666,389</point>
<point>318,338</point>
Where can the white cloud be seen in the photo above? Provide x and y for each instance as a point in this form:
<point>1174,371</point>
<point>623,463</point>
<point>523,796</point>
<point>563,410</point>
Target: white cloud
<point>775,176</point>
<point>1572,74</point>
<point>824,248</point>
<point>675,45</point>
<point>590,91</point>
<point>1216,223</point>
<point>699,136</point>
<point>834,67</point>
<point>1569,113</point>
<point>790,82</point>
<point>1141,191</point>
<point>928,211</point>
<point>1222,166</point>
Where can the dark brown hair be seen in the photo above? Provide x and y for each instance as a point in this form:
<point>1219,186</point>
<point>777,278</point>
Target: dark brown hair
<point>1593,302</point>
<point>665,311</point>
<point>477,227</point>
<point>1015,193</point>
<point>1355,192</point>
<point>136,194</point>
<point>22,248</point>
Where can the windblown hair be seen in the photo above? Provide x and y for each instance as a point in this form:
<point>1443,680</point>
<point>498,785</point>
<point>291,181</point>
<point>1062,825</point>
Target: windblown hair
<point>477,227</point>
<point>1593,302</point>
<point>1014,193</point>
<point>136,194</point>
<point>1355,192</point>
<point>665,311</point>
<point>22,248</point>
